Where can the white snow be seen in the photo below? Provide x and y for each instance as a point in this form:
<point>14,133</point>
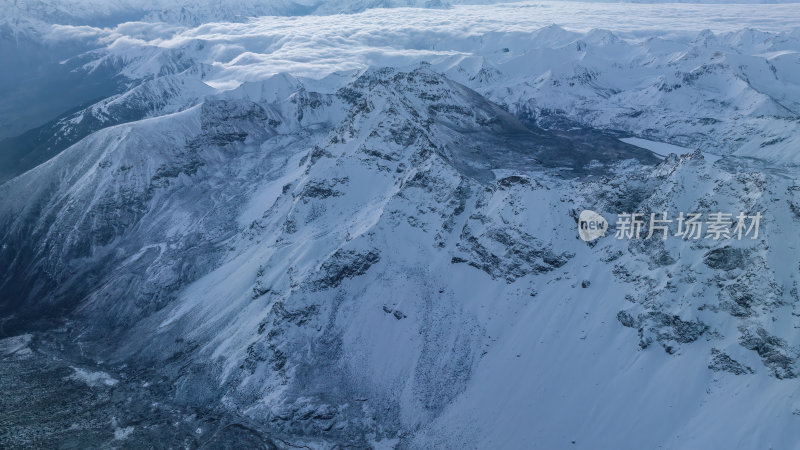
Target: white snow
<point>544,361</point>
<point>15,346</point>
<point>662,149</point>
<point>718,78</point>
<point>93,379</point>
<point>122,433</point>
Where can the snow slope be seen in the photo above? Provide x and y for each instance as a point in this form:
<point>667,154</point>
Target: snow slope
<point>106,13</point>
<point>660,65</point>
<point>396,261</point>
<point>360,230</point>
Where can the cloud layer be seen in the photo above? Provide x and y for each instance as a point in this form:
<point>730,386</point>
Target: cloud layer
<point>317,45</point>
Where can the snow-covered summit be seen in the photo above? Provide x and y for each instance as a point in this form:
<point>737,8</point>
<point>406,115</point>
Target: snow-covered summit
<point>396,260</point>
<point>112,12</point>
<point>360,230</point>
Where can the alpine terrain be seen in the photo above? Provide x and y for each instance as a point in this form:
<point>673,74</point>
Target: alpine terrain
<point>273,225</point>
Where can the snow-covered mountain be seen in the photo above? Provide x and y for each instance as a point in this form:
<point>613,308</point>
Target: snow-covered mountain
<point>107,13</point>
<point>385,254</point>
<point>111,12</point>
<point>158,96</point>
<point>732,91</point>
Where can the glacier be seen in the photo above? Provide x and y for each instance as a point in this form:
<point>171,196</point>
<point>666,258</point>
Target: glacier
<point>273,225</point>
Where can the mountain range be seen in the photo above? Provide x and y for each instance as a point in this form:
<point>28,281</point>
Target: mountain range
<point>387,255</point>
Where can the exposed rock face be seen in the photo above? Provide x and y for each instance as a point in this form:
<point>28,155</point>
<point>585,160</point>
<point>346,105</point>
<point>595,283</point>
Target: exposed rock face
<point>343,265</point>
<point>663,328</point>
<point>775,353</point>
<point>726,258</point>
<point>721,361</point>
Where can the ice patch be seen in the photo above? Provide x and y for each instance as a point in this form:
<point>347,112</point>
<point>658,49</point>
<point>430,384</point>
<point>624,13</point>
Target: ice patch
<point>662,149</point>
<point>17,345</point>
<point>122,433</point>
<point>93,379</point>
